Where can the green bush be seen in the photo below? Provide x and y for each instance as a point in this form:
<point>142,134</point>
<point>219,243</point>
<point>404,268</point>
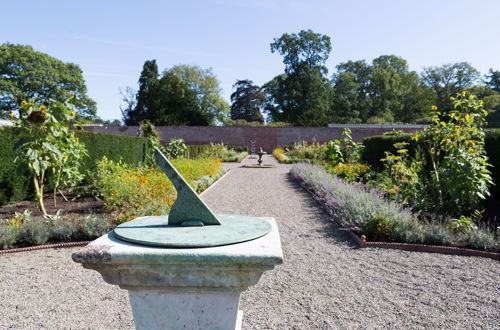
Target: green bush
<point>35,232</point>
<point>94,226</point>
<point>8,235</point>
<point>379,227</point>
<point>376,146</point>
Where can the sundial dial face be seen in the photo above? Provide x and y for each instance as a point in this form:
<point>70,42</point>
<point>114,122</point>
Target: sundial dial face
<point>190,223</point>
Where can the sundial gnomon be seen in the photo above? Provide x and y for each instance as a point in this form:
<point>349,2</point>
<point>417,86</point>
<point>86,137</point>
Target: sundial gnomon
<point>190,223</point>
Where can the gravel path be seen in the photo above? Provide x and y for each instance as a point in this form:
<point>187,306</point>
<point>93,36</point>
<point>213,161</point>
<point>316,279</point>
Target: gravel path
<point>324,283</point>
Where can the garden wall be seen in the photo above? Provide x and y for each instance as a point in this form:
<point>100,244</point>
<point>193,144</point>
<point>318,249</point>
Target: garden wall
<point>255,137</point>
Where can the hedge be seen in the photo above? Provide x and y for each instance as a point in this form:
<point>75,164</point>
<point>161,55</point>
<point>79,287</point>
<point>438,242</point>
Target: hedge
<point>15,182</point>
<point>131,150</point>
<point>376,146</point>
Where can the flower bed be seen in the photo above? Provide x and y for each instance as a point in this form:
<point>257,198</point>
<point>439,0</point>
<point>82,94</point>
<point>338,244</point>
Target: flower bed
<point>367,212</point>
<point>138,191</point>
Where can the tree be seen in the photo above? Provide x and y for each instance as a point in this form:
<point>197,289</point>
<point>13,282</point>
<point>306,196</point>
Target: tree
<point>448,80</point>
<point>177,104</point>
<point>147,96</point>
<point>385,91</point>
<point>205,86</point>
<point>303,95</point>
<point>247,101</point>
<point>129,97</point>
<point>494,80</point>
<point>26,74</point>
<point>351,102</point>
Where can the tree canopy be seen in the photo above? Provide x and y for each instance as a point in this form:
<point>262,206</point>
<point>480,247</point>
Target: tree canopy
<point>302,95</point>
<point>26,73</point>
<point>247,101</point>
<point>183,95</point>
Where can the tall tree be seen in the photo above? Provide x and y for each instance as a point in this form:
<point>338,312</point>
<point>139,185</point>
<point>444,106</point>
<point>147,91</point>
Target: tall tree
<point>129,98</point>
<point>448,80</point>
<point>247,101</point>
<point>493,81</point>
<point>147,95</point>
<point>303,95</point>
<point>26,73</point>
<point>351,83</point>
<point>206,88</point>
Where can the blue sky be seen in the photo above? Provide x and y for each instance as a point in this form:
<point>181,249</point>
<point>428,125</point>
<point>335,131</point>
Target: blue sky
<point>110,40</point>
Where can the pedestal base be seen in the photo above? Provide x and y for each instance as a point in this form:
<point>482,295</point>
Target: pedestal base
<point>171,310</point>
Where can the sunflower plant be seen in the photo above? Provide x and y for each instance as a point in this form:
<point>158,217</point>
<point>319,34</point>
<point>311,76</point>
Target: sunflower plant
<point>47,145</point>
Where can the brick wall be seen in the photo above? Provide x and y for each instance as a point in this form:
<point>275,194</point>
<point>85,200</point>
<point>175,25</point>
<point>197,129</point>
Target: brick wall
<point>255,137</point>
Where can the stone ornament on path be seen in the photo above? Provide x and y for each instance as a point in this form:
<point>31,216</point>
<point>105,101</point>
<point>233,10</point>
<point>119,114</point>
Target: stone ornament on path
<point>188,269</point>
<point>260,163</point>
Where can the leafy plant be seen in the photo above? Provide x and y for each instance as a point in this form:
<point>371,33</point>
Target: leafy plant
<point>35,232</point>
<point>462,225</point>
<point>175,148</point>
<point>8,235</point>
<point>148,130</point>
<point>47,146</point>
<point>379,227</point>
<point>94,226</point>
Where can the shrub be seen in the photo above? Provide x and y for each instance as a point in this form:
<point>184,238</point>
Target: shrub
<point>379,227</point>
<point>8,235</point>
<point>350,172</point>
<point>482,239</point>
<point>35,232</point>
<point>94,226</point>
<point>61,228</point>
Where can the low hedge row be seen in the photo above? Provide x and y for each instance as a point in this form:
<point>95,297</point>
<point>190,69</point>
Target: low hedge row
<point>376,146</point>
<point>15,182</point>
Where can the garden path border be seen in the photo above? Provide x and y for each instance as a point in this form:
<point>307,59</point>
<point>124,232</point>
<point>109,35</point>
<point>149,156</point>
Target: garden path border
<point>363,243</point>
<point>82,243</point>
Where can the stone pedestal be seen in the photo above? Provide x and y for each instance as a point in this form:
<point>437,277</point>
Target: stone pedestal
<point>195,288</point>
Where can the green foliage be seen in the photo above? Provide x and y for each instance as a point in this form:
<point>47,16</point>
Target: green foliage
<point>131,150</point>
<point>47,146</point>
<point>482,239</point>
<point>175,148</point>
<point>247,101</point>
<point>448,80</point>
<point>147,130</point>
<point>8,235</point>
<point>462,225</point>
<point>450,176</point>
<point>379,227</point>
<point>26,74</point>
<point>94,226</point>
<point>385,91</point>
<point>35,232</point>
<point>492,146</point>
<point>15,181</point>
<point>302,95</point>
<point>183,95</point>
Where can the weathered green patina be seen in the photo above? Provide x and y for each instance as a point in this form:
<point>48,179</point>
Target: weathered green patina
<point>190,224</point>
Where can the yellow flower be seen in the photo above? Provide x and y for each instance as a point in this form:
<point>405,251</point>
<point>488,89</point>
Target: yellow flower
<point>12,115</point>
<point>481,102</point>
<point>23,102</point>
<point>464,93</point>
<point>470,143</point>
<point>42,108</point>
<point>467,117</point>
<point>434,107</point>
<point>72,114</point>
<point>485,113</point>
<point>446,140</point>
<point>452,98</point>
<point>65,157</point>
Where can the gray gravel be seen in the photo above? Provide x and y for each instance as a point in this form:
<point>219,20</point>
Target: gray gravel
<point>324,283</point>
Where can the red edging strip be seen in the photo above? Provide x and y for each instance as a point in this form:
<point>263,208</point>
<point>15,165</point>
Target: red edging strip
<point>48,246</point>
<point>361,241</point>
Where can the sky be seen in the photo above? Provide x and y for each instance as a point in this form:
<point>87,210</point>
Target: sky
<point>110,40</point>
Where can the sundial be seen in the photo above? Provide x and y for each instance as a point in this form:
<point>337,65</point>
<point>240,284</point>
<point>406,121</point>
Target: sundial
<point>190,223</point>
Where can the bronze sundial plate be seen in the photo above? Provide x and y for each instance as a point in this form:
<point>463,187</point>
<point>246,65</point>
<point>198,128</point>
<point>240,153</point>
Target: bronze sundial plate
<point>155,231</point>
